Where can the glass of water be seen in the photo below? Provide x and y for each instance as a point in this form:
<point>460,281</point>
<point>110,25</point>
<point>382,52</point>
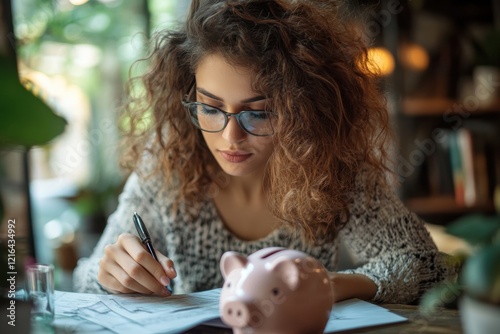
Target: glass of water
<point>40,289</point>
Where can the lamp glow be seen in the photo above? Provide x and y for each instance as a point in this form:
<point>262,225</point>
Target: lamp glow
<point>414,56</point>
<point>380,61</point>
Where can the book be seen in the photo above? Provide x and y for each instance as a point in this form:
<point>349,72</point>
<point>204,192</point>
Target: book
<point>440,175</point>
<point>465,148</point>
<point>457,170</point>
<point>481,174</point>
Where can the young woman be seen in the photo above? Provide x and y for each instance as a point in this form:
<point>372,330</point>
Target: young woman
<point>264,128</point>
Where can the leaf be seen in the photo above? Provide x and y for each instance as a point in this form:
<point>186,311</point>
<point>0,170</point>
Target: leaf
<point>481,274</point>
<point>475,229</point>
<point>24,119</point>
<point>441,295</point>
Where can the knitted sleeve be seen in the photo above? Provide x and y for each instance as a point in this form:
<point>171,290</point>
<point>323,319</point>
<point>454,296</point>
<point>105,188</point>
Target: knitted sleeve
<point>137,196</point>
<point>394,245</point>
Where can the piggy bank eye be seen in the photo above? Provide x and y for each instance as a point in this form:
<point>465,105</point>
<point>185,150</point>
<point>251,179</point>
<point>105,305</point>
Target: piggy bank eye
<point>228,284</point>
<point>276,292</point>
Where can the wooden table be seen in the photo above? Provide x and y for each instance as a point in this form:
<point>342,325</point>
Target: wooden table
<point>443,321</point>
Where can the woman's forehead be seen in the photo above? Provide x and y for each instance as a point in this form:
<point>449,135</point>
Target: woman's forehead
<point>216,75</point>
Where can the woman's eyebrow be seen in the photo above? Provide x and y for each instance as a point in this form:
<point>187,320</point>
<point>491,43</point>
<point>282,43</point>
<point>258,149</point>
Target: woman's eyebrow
<point>212,96</point>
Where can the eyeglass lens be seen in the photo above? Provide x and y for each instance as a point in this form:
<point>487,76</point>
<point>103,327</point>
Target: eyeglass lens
<point>212,119</point>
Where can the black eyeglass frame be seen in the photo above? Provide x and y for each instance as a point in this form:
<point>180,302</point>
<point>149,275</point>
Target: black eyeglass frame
<point>187,103</point>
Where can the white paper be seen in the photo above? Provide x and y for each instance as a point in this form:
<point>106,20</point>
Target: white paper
<point>355,313</point>
<point>126,314</point>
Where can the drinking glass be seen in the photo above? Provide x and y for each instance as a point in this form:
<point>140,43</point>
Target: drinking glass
<point>40,289</point>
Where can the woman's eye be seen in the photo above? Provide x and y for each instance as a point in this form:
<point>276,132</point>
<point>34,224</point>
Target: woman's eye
<point>259,115</point>
<point>207,110</point>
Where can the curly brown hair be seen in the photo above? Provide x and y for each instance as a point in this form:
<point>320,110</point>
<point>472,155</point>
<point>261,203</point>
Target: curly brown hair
<point>310,62</point>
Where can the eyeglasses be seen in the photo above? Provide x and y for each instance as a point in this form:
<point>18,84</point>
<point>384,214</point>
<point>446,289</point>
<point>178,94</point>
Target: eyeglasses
<point>212,119</point>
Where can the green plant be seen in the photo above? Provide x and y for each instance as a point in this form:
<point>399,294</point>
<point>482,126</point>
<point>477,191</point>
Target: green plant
<point>25,121</point>
<point>479,276</point>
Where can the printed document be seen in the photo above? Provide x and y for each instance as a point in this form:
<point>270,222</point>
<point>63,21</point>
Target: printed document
<point>125,314</point>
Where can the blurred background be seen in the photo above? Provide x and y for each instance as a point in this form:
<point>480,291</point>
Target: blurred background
<point>439,63</point>
<point>76,56</point>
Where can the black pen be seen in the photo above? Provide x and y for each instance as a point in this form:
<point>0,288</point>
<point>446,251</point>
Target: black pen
<point>146,240</point>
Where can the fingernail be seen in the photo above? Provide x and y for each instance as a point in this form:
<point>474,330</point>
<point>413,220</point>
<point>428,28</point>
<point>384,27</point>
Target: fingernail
<point>164,280</point>
<point>165,293</point>
<point>172,269</point>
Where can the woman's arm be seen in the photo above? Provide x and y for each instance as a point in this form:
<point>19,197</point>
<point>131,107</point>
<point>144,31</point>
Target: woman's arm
<point>346,286</point>
<point>398,253</point>
<point>136,196</point>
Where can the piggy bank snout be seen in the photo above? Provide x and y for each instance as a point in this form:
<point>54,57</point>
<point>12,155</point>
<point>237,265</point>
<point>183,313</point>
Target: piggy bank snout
<point>239,313</point>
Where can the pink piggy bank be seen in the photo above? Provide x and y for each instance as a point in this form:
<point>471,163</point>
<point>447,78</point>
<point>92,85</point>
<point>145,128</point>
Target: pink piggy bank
<point>274,291</point>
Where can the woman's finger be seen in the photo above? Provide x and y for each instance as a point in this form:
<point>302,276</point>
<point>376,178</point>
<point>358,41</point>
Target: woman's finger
<point>167,264</point>
<point>111,284</point>
<point>107,280</point>
<point>135,269</point>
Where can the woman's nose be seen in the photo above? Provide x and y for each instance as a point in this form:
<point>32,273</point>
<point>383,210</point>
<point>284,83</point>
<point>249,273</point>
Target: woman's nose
<point>233,133</point>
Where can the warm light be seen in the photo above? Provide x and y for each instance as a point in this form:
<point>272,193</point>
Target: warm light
<point>380,61</point>
<point>414,57</point>
<point>78,2</point>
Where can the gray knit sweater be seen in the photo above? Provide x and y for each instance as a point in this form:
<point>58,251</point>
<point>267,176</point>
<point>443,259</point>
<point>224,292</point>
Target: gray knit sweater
<point>391,244</point>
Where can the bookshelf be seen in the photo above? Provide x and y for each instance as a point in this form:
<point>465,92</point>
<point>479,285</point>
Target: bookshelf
<point>439,106</point>
<point>448,160</point>
<point>444,205</point>
<point>455,160</point>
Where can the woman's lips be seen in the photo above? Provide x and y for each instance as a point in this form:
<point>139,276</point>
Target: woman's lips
<point>235,156</point>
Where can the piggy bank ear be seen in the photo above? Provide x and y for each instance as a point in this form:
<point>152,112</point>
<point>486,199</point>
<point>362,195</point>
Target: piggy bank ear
<point>287,271</point>
<point>231,261</point>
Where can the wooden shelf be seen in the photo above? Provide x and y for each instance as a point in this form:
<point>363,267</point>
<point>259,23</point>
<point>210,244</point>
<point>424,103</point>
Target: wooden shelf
<point>440,106</point>
<point>443,205</point>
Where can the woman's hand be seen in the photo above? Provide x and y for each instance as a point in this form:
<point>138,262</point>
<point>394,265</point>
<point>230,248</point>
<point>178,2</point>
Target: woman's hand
<point>347,286</point>
<point>127,267</point>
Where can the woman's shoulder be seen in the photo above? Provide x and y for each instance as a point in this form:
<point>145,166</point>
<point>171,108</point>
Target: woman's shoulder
<point>369,179</point>
<point>148,179</point>
<point>372,187</point>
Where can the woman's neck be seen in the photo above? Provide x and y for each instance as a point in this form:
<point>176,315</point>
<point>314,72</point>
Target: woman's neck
<point>247,189</point>
<point>242,208</point>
